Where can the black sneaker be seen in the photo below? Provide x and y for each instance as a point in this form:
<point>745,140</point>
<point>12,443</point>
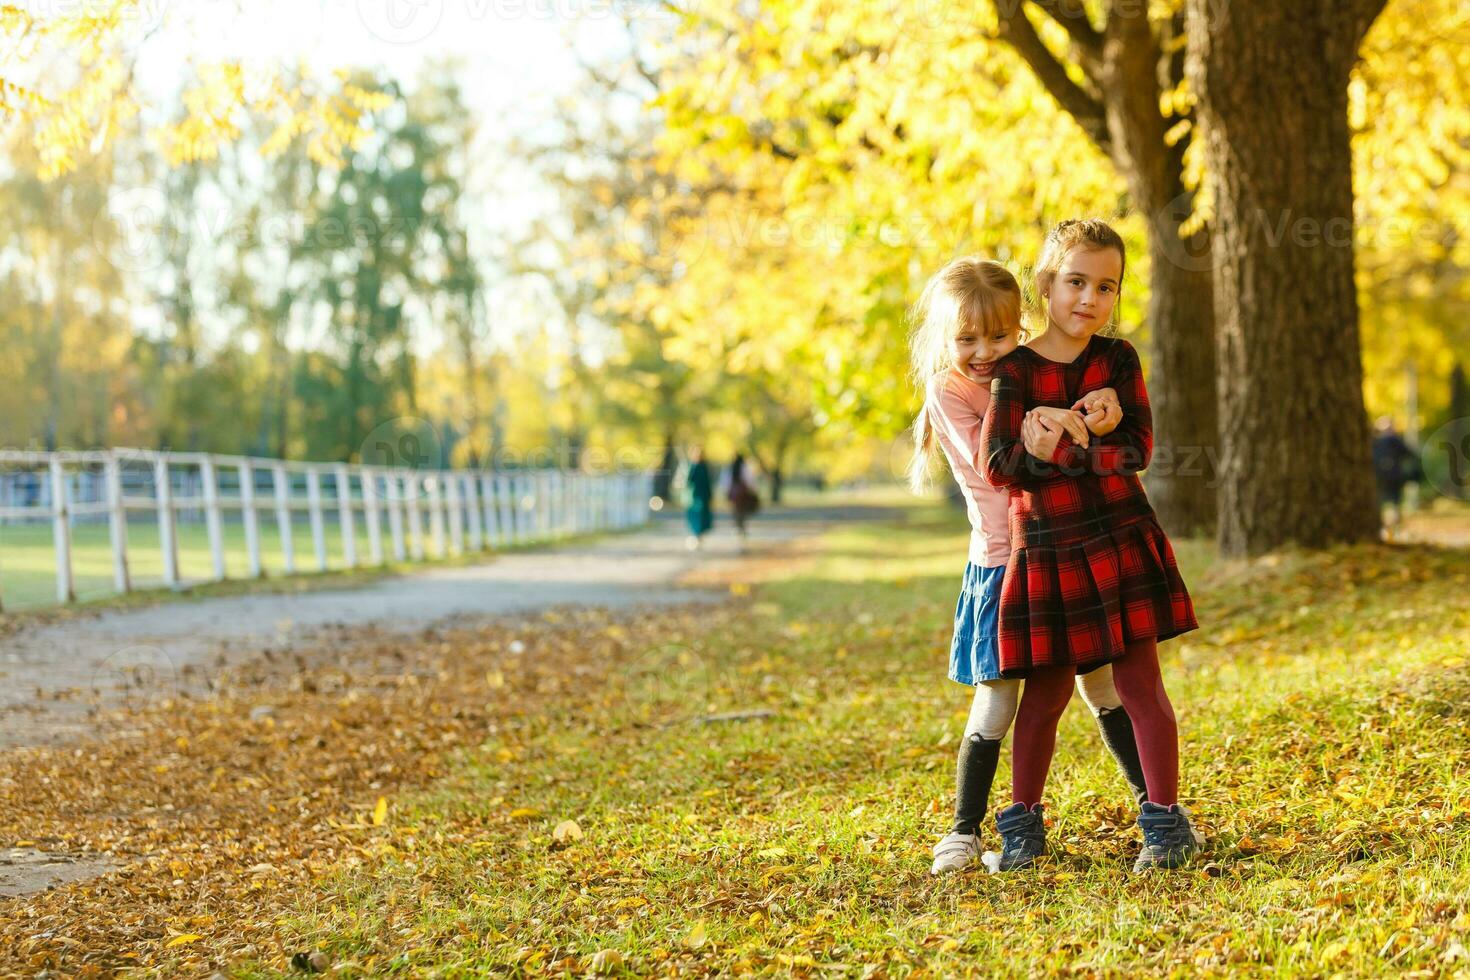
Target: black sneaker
<point>1168,839</point>
<point>1022,836</point>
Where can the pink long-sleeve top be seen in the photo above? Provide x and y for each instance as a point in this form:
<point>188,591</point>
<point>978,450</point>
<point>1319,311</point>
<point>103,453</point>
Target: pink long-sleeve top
<point>956,407</point>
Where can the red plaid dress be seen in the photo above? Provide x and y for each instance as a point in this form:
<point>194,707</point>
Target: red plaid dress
<point>1090,569</point>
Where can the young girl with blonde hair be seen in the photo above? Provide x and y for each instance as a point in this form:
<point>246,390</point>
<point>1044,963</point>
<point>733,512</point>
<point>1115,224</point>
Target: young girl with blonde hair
<point>967,319</point>
<point>1091,578</point>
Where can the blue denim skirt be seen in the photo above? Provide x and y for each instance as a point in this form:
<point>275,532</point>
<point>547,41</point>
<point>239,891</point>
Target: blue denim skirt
<point>974,653</point>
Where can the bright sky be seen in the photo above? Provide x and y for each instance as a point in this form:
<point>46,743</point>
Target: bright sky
<point>519,56</point>
<point>522,48</point>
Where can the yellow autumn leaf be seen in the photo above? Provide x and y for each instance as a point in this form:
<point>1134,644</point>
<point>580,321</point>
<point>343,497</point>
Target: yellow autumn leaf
<point>380,812</point>
<point>523,812</point>
<point>606,961</point>
<point>187,937</point>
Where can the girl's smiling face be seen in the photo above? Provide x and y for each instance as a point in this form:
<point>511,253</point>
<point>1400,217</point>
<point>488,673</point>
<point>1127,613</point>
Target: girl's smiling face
<point>976,350</point>
<point>1084,291</point>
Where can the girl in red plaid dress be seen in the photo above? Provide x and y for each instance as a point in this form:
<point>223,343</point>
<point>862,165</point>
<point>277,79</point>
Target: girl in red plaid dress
<point>1091,579</point>
<point>967,319</point>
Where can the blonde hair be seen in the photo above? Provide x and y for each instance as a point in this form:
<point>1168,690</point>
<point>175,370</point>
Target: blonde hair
<point>968,294</point>
<point>1092,234</point>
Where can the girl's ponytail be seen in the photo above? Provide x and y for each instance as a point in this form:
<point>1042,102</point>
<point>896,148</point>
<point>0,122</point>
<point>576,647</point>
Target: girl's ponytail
<point>922,461</point>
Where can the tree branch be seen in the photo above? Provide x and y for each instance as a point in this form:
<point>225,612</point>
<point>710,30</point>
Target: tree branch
<point>762,134</point>
<point>1087,39</point>
<point>650,75</point>
<point>1016,30</point>
<point>1364,13</point>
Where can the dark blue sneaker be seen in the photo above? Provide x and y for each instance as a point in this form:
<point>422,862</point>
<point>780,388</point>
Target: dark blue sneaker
<point>1022,836</point>
<point>1168,839</point>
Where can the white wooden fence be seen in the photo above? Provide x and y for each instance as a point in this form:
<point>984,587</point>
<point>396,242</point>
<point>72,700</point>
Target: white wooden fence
<point>408,514</point>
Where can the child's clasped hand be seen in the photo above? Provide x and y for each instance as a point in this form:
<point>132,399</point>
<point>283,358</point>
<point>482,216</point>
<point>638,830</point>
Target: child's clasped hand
<point>1094,414</point>
<point>1101,411</point>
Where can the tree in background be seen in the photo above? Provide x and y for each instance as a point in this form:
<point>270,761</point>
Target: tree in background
<point>1286,298</point>
<point>67,382</point>
<point>608,259</point>
<point>388,251</point>
<point>1445,451</point>
<point>1411,182</point>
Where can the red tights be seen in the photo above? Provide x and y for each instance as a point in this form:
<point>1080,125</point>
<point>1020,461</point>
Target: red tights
<point>1141,689</point>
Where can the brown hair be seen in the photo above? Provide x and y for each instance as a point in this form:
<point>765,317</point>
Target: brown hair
<point>1093,234</point>
<point>968,294</point>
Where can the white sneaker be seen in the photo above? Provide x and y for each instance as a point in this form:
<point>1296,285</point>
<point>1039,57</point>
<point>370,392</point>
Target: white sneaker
<point>955,851</point>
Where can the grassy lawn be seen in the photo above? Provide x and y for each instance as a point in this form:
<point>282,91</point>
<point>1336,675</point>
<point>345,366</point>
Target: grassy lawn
<point>28,562</point>
<point>28,556</point>
<point>1324,707</point>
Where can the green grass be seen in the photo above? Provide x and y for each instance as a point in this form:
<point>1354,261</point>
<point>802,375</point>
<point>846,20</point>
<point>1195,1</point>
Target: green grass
<point>28,556</point>
<point>1326,754</point>
<point>28,560</point>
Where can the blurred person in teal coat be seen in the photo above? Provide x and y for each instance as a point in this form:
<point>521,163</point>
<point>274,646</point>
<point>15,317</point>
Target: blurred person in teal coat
<point>700,512</point>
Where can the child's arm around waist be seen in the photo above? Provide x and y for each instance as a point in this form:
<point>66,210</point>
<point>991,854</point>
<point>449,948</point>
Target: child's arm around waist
<point>1004,459</point>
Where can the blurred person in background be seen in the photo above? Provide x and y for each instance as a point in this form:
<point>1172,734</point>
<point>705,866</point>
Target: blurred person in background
<point>1395,464</point>
<point>700,508</point>
<point>737,484</point>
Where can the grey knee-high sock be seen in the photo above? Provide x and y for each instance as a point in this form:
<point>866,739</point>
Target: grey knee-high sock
<point>1117,735</point>
<point>974,771</point>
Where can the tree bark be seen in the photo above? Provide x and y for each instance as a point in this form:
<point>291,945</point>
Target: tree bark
<point>1272,83</point>
<point>1180,311</point>
<point>1182,477</point>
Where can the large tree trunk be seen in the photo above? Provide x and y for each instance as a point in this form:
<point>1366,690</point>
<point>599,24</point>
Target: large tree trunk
<point>1181,315</point>
<point>1272,83</point>
<point>1181,478</point>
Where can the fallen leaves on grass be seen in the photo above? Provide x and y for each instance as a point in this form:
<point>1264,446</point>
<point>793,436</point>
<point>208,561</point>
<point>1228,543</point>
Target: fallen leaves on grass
<point>225,822</point>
